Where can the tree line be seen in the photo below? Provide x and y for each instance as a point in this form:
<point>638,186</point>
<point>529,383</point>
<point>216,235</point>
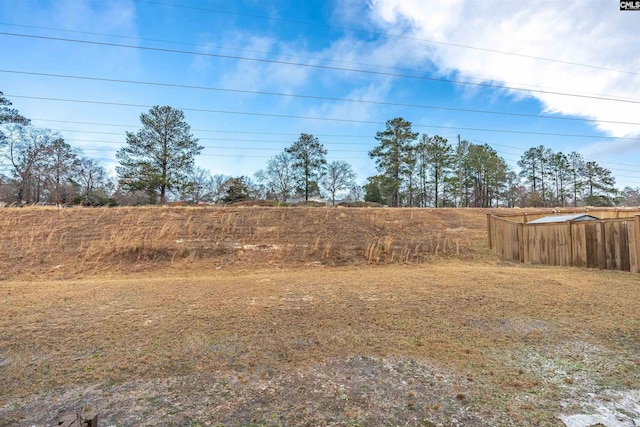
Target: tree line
<point>422,170</point>
<point>156,164</point>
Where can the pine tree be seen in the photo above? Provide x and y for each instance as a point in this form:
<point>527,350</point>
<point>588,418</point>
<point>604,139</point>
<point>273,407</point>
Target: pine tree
<point>392,153</point>
<point>158,157</point>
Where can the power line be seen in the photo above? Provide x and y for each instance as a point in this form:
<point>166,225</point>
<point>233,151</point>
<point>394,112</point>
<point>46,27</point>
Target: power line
<point>520,150</point>
<point>197,130</point>
<point>212,139</point>
<point>390,35</point>
<point>330,119</point>
<point>315,97</point>
<point>325,67</point>
<point>203,130</point>
<point>364,154</point>
<point>244,147</point>
<point>209,46</point>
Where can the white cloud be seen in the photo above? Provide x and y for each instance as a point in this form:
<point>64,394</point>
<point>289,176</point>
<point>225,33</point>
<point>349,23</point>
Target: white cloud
<point>358,111</point>
<point>114,17</point>
<point>258,75</point>
<point>596,33</point>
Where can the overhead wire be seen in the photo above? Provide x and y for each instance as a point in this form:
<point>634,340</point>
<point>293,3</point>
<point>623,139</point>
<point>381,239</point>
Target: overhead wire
<point>279,54</point>
<point>330,119</point>
<point>343,100</point>
<point>390,35</point>
<point>326,67</point>
<point>502,151</point>
<point>322,98</point>
<point>203,130</point>
<point>516,150</point>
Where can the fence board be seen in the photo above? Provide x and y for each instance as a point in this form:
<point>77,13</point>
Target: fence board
<point>612,243</point>
<point>547,244</point>
<point>625,262</point>
<point>634,246</point>
<point>579,242</point>
<point>504,238</point>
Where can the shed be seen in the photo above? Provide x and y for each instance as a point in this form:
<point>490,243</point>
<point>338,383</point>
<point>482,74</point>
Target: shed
<point>563,218</point>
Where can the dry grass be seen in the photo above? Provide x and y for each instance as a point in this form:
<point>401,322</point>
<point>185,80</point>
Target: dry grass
<point>67,243</point>
<point>476,340</point>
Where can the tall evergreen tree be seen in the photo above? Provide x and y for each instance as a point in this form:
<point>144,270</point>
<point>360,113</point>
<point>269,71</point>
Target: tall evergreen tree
<point>599,184</point>
<point>488,172</point>
<point>395,145</point>
<point>308,156</point>
<point>439,157</point>
<point>576,171</point>
<point>462,149</point>
<point>237,190</point>
<point>531,170</point>
<point>9,115</point>
<point>560,175</point>
<point>158,157</point>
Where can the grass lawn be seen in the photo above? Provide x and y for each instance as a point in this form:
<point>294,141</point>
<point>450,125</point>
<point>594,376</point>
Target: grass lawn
<point>452,342</point>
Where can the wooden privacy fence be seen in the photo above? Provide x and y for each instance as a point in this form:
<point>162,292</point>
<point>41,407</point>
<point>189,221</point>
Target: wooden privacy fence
<point>611,244</point>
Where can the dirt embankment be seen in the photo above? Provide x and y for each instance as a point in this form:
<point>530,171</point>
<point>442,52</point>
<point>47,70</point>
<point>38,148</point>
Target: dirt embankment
<point>65,243</point>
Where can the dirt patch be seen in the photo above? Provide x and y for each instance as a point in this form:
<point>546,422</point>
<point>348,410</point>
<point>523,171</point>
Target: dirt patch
<point>354,391</point>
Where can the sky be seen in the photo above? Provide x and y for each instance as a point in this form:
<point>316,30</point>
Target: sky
<point>252,75</point>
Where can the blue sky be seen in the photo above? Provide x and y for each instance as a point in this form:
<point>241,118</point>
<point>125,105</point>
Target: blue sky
<point>234,68</point>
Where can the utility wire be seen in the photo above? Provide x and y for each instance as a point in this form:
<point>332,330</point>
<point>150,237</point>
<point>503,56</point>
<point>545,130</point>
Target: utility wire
<point>209,46</point>
<point>363,156</point>
<point>516,150</point>
<point>244,147</point>
<point>203,130</point>
<point>315,97</point>
<point>520,150</point>
<point>218,139</point>
<point>325,67</point>
<point>390,35</point>
<point>330,119</point>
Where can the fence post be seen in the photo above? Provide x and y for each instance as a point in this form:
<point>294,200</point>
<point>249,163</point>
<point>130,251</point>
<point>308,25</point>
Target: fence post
<point>636,243</point>
<point>569,225</point>
<point>489,231</point>
<point>521,241</point>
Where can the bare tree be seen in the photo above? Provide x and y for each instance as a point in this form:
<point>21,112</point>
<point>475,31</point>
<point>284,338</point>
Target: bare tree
<point>62,163</point>
<point>219,187</point>
<point>199,186</point>
<point>339,176</point>
<point>27,151</point>
<point>91,176</point>
<point>279,176</point>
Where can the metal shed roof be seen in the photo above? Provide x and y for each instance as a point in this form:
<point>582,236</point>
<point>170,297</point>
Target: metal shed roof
<point>563,218</point>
